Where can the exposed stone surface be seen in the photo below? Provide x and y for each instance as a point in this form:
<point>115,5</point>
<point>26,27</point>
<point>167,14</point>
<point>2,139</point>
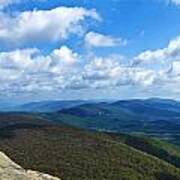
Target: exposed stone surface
<point>11,171</point>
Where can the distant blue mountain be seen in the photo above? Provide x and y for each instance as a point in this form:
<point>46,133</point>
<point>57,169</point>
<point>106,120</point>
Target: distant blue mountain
<point>154,102</point>
<point>8,106</point>
<point>154,117</point>
<point>48,106</point>
<point>44,106</point>
<point>150,108</point>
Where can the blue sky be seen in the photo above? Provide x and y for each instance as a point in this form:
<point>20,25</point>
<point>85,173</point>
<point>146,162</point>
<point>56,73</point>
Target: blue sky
<point>89,49</point>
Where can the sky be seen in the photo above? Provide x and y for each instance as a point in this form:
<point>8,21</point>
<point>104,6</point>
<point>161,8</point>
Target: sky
<point>89,49</point>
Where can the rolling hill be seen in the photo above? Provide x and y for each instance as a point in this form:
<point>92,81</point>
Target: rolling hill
<point>71,153</point>
<point>153,117</point>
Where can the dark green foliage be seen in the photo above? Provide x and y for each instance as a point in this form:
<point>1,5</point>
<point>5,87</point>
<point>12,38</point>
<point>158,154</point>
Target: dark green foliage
<point>160,149</point>
<point>75,154</point>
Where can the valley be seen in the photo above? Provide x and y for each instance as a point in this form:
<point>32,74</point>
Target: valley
<point>124,140</point>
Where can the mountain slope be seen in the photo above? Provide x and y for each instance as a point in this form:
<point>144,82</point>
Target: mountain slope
<point>153,117</point>
<point>151,108</point>
<point>161,149</point>
<point>71,153</point>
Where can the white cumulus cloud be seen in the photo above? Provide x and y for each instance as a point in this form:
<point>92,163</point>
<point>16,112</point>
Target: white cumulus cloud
<point>169,53</point>
<point>28,70</point>
<point>65,55</point>
<point>43,26</point>
<point>95,39</point>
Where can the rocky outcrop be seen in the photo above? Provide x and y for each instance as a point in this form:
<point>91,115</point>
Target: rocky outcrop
<point>11,171</point>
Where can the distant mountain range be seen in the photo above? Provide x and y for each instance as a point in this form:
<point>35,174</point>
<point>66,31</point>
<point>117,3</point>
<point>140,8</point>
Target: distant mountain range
<point>141,109</point>
<point>56,105</point>
<point>95,139</point>
<point>152,117</point>
<point>48,106</point>
<point>44,106</point>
